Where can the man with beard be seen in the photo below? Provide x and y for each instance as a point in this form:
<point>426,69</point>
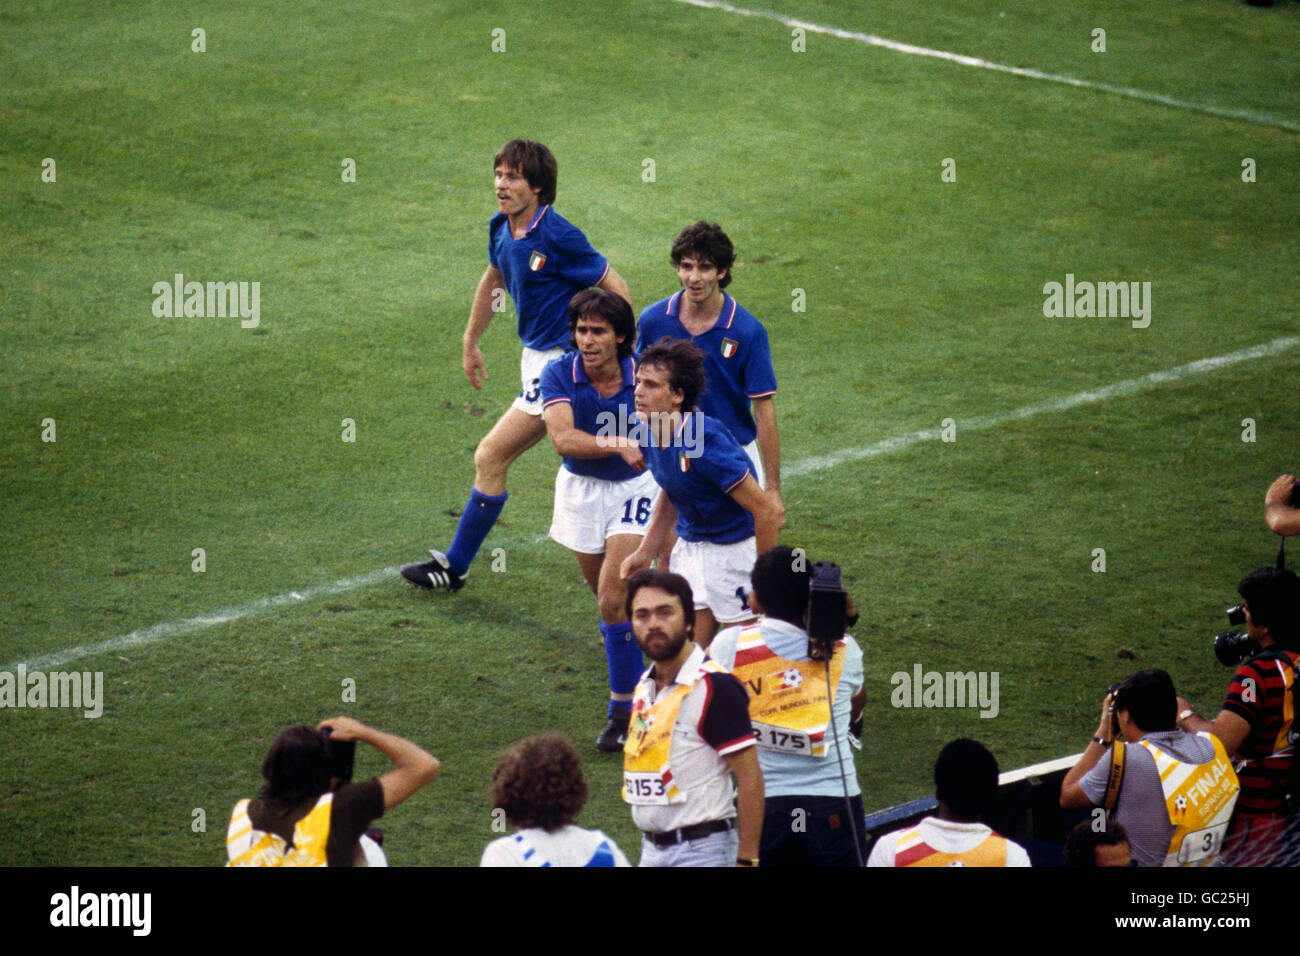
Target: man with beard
<point>690,733</point>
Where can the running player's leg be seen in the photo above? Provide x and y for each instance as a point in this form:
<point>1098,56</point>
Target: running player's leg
<point>519,429</point>
<point>621,650</point>
<point>625,514</point>
<point>513,434</point>
<point>589,565</point>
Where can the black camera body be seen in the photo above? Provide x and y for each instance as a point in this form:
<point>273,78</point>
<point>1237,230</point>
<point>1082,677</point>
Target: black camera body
<point>341,754</point>
<point>1114,714</point>
<point>827,610</point>
<point>1233,647</point>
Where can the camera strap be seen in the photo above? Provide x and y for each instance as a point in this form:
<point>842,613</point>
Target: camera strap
<point>839,758</point>
<point>1116,775</point>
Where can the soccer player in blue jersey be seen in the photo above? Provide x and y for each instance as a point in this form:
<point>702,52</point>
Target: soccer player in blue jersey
<point>737,359</point>
<point>707,488</point>
<point>542,260</point>
<point>603,492</point>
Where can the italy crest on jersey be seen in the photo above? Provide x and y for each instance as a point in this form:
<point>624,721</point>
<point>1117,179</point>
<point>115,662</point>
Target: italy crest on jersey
<point>536,261</point>
<point>683,462</point>
<point>729,347</point>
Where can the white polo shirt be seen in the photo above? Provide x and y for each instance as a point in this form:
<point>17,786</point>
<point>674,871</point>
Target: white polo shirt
<point>712,722</point>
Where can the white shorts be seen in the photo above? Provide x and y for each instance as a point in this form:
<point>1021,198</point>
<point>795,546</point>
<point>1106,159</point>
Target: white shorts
<point>531,363</point>
<point>718,575</point>
<point>756,460</point>
<point>589,510</point>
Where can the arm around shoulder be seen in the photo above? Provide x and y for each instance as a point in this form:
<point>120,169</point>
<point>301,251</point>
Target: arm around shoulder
<point>613,282</point>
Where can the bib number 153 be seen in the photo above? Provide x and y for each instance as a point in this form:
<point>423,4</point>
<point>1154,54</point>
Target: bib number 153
<point>645,786</point>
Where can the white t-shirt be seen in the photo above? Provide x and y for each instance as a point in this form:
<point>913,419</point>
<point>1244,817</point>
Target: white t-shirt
<point>945,836</point>
<point>567,846</point>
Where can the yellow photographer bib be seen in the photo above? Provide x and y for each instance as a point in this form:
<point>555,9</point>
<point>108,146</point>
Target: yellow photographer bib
<point>246,846</point>
<point>647,770</point>
<point>1199,798</point>
<point>789,702</point>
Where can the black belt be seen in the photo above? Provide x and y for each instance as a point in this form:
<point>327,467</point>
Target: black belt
<point>697,832</point>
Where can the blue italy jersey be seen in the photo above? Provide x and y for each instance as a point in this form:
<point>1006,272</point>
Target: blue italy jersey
<point>698,472</point>
<point>565,380</point>
<point>737,359</point>
<point>543,271</point>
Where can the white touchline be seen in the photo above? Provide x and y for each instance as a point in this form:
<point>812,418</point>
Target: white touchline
<point>1118,390</point>
<point>1128,91</point>
<point>807,466</point>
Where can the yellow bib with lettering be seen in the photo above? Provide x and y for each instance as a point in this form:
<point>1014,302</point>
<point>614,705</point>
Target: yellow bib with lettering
<point>246,846</point>
<point>1282,743</point>
<point>911,850</point>
<point>647,766</point>
<point>1199,798</point>
<point>789,703</point>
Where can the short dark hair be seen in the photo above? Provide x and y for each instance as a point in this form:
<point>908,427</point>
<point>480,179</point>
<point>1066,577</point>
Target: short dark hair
<point>781,584</point>
<point>297,765</point>
<point>611,307</point>
<point>1273,595</point>
<point>966,779</point>
<point>535,162</point>
<point>539,783</point>
<point>684,363</point>
<point>674,584</point>
<point>1082,842</point>
<point>1150,700</point>
<point>709,242</point>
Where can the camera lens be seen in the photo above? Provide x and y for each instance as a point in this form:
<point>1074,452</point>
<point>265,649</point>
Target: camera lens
<point>1233,648</point>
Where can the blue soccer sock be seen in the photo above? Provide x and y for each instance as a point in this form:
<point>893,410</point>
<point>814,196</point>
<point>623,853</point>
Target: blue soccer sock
<point>623,655</point>
<point>476,521</point>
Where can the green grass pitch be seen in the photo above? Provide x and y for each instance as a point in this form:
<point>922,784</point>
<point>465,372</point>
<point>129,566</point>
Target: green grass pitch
<point>923,301</point>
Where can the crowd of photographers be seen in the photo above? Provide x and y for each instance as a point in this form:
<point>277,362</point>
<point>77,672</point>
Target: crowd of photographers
<point>774,706</point>
<point>1184,790</point>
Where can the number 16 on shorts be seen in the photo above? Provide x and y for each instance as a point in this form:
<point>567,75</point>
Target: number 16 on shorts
<point>637,510</point>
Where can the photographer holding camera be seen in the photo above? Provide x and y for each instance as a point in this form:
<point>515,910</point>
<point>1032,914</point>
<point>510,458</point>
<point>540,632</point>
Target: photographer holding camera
<point>1172,791</point>
<point>813,807</point>
<point>308,813</point>
<point>1257,718</point>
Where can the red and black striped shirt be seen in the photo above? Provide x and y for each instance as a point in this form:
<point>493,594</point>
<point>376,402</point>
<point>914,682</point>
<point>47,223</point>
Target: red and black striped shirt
<point>1260,695</point>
